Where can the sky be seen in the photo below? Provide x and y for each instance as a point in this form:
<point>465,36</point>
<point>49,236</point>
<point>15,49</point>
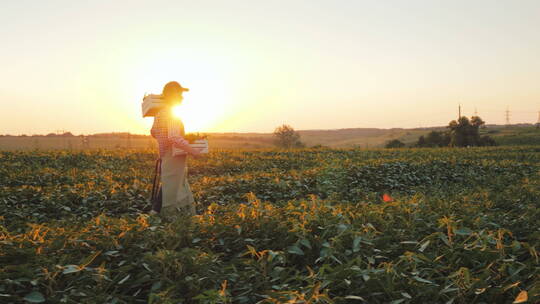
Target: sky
<point>84,66</point>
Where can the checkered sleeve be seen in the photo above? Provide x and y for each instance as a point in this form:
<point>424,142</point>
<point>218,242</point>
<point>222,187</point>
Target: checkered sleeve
<point>174,133</point>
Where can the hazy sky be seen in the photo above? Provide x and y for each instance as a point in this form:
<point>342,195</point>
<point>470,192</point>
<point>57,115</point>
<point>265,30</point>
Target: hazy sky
<point>84,66</point>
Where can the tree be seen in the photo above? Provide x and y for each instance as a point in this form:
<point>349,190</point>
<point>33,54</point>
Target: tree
<point>421,141</point>
<point>286,137</point>
<point>394,143</point>
<point>462,133</point>
<point>458,132</point>
<point>434,139</point>
<point>465,132</point>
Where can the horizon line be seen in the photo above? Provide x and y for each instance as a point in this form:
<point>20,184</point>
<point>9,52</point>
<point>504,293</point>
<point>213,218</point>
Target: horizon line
<point>251,132</point>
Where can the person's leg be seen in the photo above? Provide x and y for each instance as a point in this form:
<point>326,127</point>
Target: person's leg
<point>185,199</point>
<point>172,172</point>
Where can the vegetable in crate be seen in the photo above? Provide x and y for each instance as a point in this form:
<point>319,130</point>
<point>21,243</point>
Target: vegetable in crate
<point>192,137</point>
<point>196,141</point>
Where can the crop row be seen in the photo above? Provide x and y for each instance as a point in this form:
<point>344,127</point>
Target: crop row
<point>305,226</point>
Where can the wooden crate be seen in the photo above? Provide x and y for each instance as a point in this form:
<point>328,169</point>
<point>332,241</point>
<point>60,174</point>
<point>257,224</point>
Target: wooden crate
<point>201,144</point>
<point>152,104</point>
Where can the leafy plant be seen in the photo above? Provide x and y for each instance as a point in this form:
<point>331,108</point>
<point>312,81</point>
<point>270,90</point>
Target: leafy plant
<point>303,226</point>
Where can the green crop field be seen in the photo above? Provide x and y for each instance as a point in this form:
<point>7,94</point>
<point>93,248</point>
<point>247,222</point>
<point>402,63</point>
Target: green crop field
<point>303,226</point>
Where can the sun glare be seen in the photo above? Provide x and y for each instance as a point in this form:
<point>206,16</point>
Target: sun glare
<point>200,112</point>
<point>205,107</point>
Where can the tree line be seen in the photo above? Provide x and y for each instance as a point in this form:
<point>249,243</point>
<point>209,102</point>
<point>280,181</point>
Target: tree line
<point>464,132</point>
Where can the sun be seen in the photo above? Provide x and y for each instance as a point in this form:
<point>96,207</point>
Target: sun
<point>199,111</point>
<point>208,104</point>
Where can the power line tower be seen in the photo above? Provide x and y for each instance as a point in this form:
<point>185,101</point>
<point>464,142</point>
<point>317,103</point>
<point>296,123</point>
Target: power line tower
<point>475,112</point>
<point>538,122</point>
<point>85,142</point>
<point>507,115</point>
<point>61,133</point>
<point>459,112</point>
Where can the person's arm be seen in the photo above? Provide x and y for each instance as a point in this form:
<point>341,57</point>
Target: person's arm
<point>176,138</point>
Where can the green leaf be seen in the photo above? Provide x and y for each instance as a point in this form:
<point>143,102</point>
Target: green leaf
<point>444,238</point>
<point>463,231</point>
<point>356,244</point>
<point>342,227</point>
<point>124,279</point>
<point>424,246</point>
<point>71,269</point>
<point>34,297</point>
<point>306,243</point>
<point>146,267</point>
<point>295,250</point>
<point>409,242</point>
<point>419,279</point>
<point>355,298</point>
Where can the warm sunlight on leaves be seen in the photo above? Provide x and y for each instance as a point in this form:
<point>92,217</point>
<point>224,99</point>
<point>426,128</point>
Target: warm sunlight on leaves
<point>522,297</point>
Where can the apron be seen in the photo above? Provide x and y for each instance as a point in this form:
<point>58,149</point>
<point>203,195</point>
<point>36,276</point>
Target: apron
<point>177,196</point>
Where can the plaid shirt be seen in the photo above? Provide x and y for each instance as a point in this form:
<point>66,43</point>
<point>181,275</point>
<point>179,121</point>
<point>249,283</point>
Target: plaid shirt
<point>168,131</point>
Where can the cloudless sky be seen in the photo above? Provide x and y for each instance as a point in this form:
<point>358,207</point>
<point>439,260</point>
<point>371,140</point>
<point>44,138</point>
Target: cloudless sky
<point>84,66</point>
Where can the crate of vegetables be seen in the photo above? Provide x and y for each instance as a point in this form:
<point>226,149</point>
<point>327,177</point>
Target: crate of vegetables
<point>196,141</point>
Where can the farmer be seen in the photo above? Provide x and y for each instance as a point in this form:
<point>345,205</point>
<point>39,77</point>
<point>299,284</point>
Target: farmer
<point>169,131</point>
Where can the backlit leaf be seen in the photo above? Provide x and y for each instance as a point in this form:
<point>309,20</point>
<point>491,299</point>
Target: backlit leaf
<point>522,297</point>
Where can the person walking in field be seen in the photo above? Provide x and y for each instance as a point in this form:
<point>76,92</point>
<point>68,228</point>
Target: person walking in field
<point>168,130</point>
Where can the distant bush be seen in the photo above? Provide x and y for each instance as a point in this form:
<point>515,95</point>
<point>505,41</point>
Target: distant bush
<point>320,147</point>
<point>434,139</point>
<point>487,141</point>
<point>394,143</point>
<point>287,137</point>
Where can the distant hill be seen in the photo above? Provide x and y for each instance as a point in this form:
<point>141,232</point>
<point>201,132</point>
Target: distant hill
<point>513,135</point>
<point>519,134</point>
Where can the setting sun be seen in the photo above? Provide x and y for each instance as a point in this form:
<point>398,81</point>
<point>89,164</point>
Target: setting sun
<point>208,102</point>
<point>202,108</point>
<point>197,115</point>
